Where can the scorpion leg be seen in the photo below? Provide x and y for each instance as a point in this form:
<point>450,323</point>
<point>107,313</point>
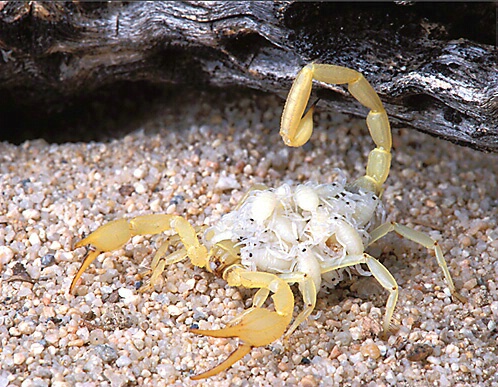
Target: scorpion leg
<point>258,326</point>
<point>308,292</point>
<point>296,129</point>
<point>421,239</point>
<point>159,263</point>
<point>381,274</point>
<point>114,235</point>
<point>258,300</point>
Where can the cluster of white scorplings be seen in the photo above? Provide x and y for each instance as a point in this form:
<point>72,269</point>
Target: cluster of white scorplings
<point>307,228</point>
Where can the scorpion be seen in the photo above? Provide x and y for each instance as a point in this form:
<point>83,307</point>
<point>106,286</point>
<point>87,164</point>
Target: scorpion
<point>305,234</point>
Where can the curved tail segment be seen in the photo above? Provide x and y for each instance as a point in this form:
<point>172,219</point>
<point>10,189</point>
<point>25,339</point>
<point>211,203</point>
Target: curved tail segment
<point>296,129</point>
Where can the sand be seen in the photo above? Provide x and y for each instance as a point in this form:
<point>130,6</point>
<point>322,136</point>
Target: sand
<point>197,159</point>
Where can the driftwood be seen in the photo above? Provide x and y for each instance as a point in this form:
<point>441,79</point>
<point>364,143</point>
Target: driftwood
<point>434,65</point>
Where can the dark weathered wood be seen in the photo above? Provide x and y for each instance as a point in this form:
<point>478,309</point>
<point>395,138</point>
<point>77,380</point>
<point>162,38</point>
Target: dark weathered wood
<point>434,65</point>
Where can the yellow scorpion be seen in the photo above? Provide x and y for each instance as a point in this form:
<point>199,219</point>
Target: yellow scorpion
<point>307,234</point>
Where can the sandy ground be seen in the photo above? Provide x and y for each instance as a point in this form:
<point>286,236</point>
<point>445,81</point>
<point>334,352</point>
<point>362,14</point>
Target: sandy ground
<point>197,161</point>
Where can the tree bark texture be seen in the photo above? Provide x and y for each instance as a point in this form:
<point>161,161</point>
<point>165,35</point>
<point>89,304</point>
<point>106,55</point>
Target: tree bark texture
<point>433,65</point>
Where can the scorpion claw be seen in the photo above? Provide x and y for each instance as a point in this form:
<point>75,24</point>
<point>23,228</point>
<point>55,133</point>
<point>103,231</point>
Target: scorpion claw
<point>86,262</point>
<point>239,353</point>
<point>257,328</point>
